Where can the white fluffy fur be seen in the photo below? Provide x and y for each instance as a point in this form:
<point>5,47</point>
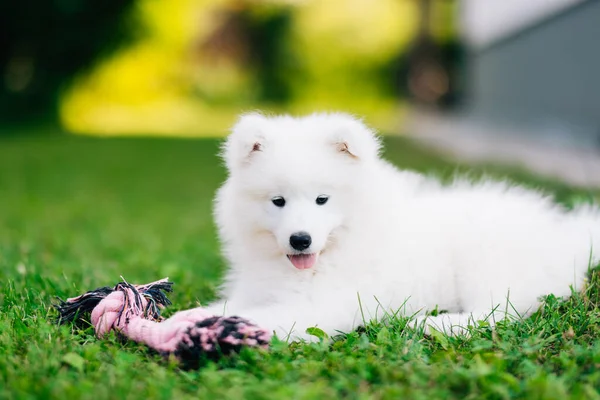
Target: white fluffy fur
<point>397,239</point>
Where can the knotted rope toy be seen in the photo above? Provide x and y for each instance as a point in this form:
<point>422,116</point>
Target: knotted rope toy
<point>134,312</point>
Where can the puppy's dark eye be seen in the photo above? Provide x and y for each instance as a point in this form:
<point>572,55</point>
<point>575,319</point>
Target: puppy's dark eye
<point>278,201</point>
<point>322,199</point>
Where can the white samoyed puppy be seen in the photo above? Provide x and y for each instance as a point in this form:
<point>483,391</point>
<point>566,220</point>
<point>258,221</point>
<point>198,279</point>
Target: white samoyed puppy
<point>320,231</point>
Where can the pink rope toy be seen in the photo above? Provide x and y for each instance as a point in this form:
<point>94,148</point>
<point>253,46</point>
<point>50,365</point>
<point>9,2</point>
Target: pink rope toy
<point>134,312</point>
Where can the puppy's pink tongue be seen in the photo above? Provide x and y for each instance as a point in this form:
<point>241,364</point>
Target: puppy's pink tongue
<point>303,261</point>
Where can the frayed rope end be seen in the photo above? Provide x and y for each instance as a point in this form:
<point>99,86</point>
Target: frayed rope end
<point>76,308</point>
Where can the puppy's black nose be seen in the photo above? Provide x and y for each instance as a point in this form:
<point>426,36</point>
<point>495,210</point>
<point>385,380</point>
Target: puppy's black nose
<point>300,241</point>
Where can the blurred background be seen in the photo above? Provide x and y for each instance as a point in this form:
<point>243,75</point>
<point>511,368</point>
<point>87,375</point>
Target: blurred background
<point>508,80</point>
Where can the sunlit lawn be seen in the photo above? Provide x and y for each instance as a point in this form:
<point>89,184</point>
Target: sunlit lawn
<point>78,212</point>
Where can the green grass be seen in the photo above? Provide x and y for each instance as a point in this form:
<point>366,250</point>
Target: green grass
<point>76,213</point>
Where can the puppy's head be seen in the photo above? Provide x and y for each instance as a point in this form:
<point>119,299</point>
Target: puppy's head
<point>295,178</point>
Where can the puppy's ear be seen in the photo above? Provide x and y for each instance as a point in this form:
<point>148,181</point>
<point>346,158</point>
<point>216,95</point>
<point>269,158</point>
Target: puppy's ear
<point>353,139</point>
<point>246,139</point>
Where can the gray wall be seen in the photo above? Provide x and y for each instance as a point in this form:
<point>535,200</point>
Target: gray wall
<point>546,77</point>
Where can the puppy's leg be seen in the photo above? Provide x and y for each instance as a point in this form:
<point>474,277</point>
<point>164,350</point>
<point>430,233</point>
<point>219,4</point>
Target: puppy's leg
<point>290,320</point>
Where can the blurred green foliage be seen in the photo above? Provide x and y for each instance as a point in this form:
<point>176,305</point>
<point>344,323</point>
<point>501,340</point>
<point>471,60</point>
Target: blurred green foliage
<point>189,67</point>
<point>272,60</point>
<point>199,63</point>
<point>44,44</point>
